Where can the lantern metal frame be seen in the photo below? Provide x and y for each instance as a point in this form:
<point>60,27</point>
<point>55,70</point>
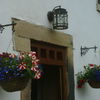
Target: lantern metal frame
<point>58,17</point>
<point>98,1</point>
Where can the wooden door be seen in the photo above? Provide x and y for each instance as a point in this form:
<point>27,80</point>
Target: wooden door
<point>51,85</point>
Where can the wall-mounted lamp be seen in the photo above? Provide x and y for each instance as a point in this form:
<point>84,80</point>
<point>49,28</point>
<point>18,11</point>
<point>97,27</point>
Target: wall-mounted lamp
<point>86,49</point>
<point>2,26</point>
<point>98,1</point>
<point>58,17</point>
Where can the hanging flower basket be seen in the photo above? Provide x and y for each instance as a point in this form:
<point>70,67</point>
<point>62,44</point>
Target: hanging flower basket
<point>95,83</point>
<point>15,71</point>
<point>91,74</point>
<point>14,84</point>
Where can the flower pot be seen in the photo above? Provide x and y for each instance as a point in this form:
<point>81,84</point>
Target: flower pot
<point>97,76</point>
<point>14,84</point>
<point>94,84</point>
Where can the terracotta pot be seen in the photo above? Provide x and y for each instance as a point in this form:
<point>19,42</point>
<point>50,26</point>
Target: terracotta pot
<point>14,84</point>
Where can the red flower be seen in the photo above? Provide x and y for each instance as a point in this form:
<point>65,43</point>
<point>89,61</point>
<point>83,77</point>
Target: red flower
<point>81,83</point>
<point>79,86</point>
<point>91,65</point>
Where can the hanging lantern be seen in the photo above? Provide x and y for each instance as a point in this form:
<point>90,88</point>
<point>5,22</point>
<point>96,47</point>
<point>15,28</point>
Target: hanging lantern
<point>59,18</point>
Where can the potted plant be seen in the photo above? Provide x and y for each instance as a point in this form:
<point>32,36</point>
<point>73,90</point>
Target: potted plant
<point>90,74</point>
<point>16,70</point>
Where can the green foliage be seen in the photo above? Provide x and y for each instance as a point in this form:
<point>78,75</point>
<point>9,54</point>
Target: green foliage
<point>87,74</point>
<point>24,64</point>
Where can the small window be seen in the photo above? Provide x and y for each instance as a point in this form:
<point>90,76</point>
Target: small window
<point>59,55</point>
<point>52,54</point>
<point>43,53</point>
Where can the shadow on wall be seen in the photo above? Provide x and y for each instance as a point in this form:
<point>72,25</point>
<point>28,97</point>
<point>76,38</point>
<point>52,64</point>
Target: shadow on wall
<point>82,91</point>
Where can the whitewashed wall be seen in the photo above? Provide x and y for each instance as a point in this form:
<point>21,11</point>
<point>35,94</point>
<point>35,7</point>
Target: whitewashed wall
<point>84,26</point>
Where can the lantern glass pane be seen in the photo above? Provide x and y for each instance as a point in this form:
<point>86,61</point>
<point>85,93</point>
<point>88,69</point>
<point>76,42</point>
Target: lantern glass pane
<point>55,21</point>
<point>61,20</point>
<point>65,18</point>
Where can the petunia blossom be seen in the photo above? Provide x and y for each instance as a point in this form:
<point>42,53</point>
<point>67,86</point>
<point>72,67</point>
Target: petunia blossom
<point>22,66</point>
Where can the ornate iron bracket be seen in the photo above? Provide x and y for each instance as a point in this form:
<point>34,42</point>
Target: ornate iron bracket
<point>86,49</point>
<point>2,26</point>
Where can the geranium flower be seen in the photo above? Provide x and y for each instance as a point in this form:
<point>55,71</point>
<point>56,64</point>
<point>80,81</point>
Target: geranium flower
<point>91,65</point>
<point>88,74</point>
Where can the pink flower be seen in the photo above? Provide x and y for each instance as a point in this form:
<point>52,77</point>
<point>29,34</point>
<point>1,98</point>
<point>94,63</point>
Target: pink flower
<point>37,75</point>
<point>37,72</point>
<point>36,69</point>
<point>33,57</point>
<point>12,55</point>
<point>32,54</point>
<point>22,66</point>
<point>21,56</point>
<point>35,62</point>
<point>1,55</point>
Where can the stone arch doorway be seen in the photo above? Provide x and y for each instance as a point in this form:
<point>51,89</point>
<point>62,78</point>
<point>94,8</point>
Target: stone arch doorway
<point>25,32</point>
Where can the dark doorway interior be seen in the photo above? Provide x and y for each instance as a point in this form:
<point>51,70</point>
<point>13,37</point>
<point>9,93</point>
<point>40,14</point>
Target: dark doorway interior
<point>49,87</point>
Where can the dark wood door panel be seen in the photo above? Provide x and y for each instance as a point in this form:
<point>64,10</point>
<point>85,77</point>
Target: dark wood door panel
<point>49,54</point>
<point>49,87</point>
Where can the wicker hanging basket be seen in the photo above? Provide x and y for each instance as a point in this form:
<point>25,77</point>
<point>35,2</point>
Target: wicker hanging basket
<point>14,84</point>
<point>94,84</point>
